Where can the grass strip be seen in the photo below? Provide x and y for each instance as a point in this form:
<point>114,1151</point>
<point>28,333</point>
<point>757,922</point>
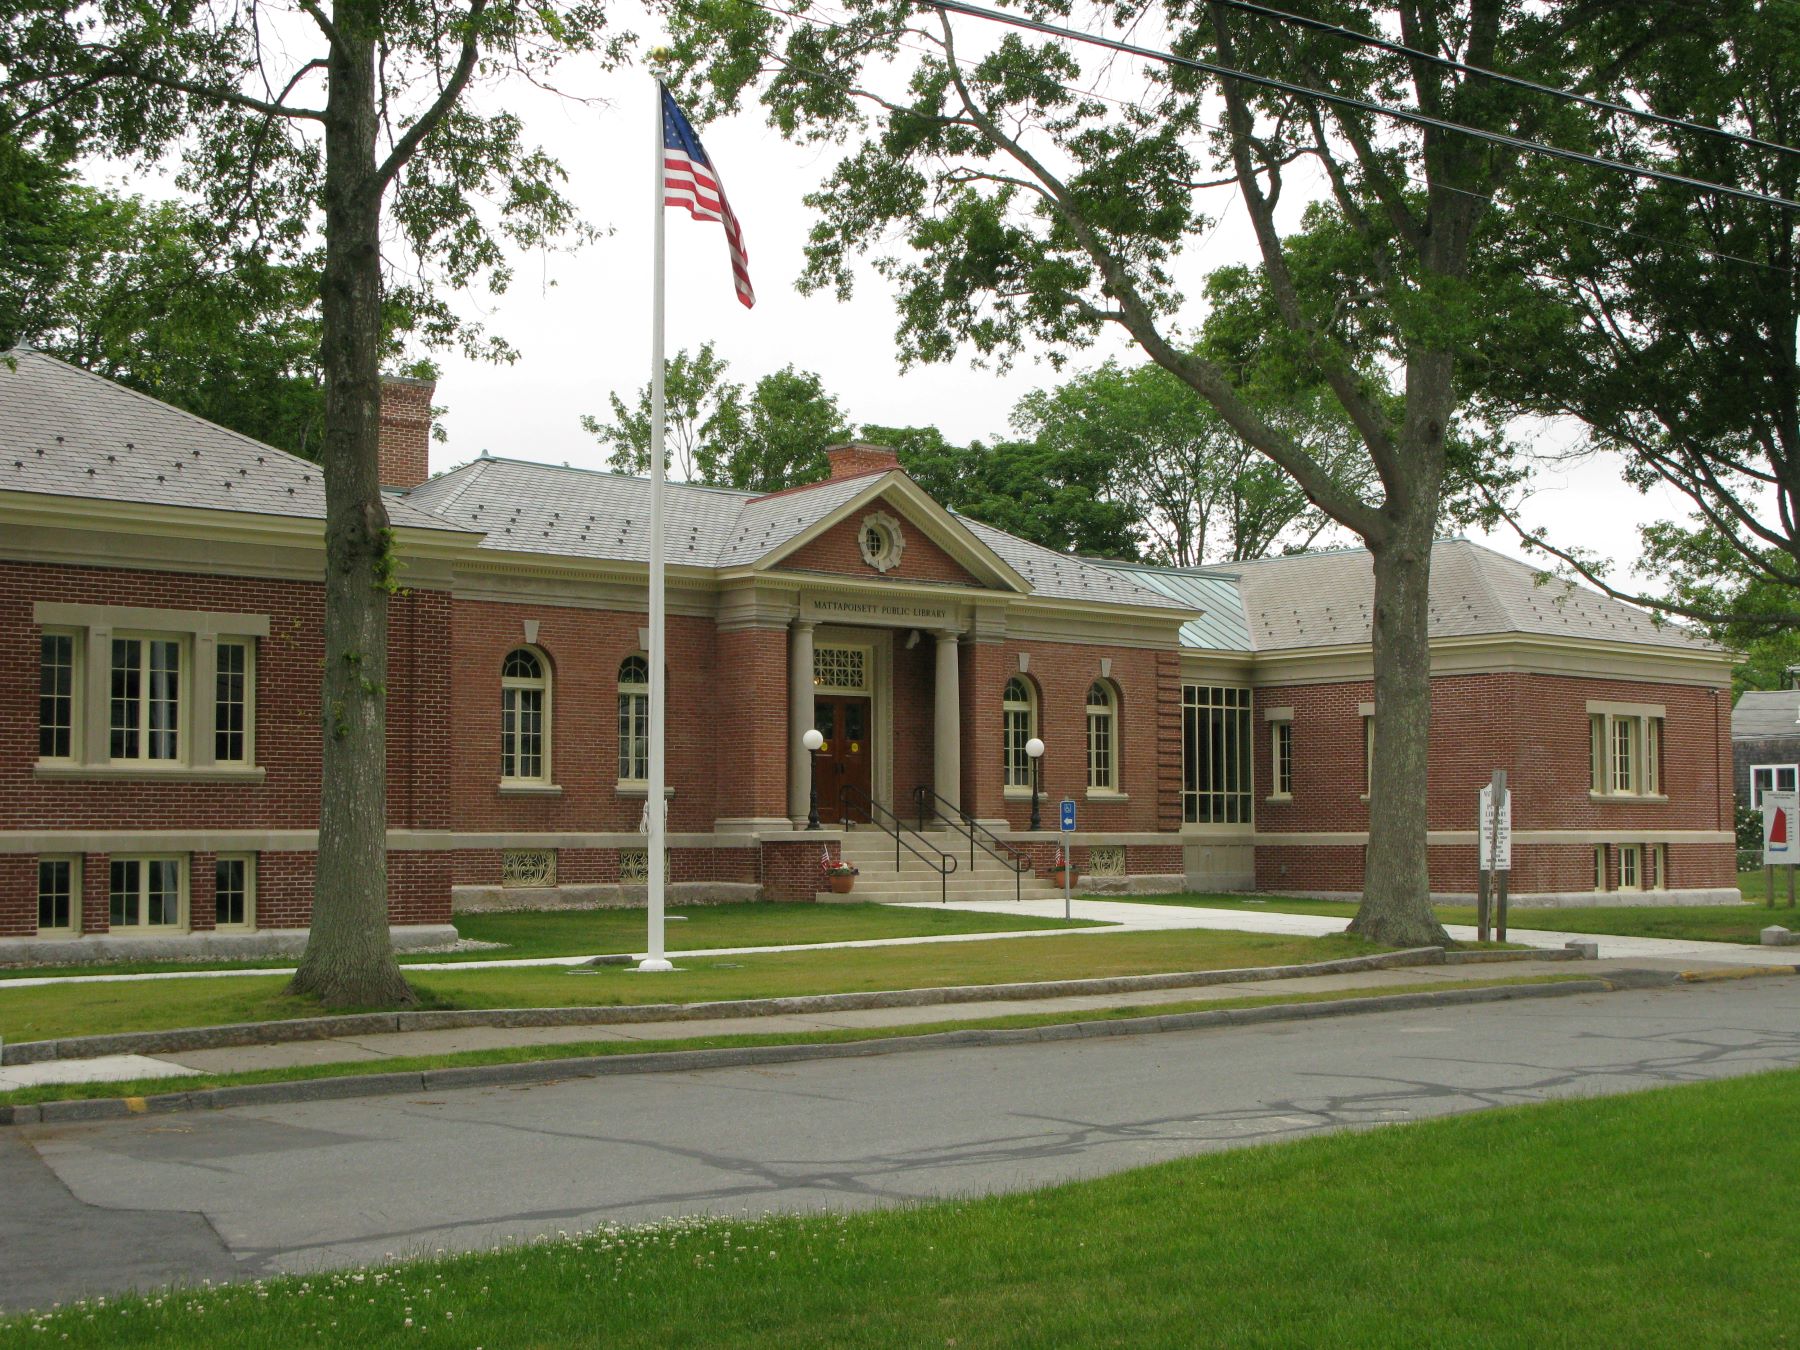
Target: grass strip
<point>527,934</point>
<point>47,1012</point>
<point>527,1054</point>
<point>1645,1219</point>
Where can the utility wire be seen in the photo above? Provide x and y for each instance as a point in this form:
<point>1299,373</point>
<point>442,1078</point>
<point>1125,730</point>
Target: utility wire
<point>1516,81</point>
<point>1358,104</point>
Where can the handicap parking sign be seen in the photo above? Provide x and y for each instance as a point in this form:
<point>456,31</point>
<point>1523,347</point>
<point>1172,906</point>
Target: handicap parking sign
<point>1068,817</point>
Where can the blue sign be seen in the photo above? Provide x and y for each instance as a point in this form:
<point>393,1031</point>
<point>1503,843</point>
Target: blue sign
<point>1068,816</point>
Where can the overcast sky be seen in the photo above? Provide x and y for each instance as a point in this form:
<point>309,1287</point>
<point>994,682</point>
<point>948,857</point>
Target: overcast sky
<point>582,322</point>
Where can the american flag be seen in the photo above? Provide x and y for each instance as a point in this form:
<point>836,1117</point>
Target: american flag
<point>690,180</point>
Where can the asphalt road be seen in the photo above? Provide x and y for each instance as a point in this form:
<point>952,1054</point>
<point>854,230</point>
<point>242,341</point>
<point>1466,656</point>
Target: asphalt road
<point>94,1208</point>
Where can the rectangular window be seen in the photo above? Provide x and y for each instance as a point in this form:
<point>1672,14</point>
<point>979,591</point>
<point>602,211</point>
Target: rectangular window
<point>1771,778</point>
<point>1015,731</point>
<point>1215,754</point>
<point>59,895</point>
<point>1100,747</point>
<point>1657,859</point>
<point>56,696</point>
<point>1626,750</point>
<point>1631,877</point>
<point>231,704</point>
<point>1599,867</point>
<point>146,893</point>
<point>234,891</point>
<point>634,738</point>
<point>1282,748</point>
<point>146,699</point>
<point>1368,756</point>
<point>522,733</point>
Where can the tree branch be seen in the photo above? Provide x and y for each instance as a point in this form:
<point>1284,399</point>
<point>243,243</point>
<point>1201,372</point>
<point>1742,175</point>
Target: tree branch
<point>429,120</point>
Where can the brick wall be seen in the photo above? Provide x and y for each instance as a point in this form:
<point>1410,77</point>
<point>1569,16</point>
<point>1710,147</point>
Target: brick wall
<point>838,550</point>
<point>791,870</point>
<point>583,648</point>
<point>743,741</point>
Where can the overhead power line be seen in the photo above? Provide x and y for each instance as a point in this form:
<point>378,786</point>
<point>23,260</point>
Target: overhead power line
<point>1357,104</point>
<point>1501,77</point>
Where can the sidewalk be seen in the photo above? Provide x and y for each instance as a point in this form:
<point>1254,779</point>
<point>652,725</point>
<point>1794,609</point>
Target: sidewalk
<point>358,1049</point>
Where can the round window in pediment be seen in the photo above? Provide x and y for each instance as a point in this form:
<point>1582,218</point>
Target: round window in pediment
<point>880,541</point>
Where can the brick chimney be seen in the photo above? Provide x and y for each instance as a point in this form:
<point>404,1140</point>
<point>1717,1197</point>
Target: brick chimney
<point>405,430</point>
<point>855,459</point>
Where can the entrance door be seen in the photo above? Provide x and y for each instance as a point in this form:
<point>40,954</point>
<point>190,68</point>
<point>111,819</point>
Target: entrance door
<point>844,758</point>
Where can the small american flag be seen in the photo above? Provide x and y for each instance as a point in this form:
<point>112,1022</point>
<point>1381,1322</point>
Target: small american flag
<point>690,180</point>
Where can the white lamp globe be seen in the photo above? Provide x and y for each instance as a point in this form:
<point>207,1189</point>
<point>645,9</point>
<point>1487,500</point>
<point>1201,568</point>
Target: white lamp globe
<point>813,739</point>
<point>1034,747</point>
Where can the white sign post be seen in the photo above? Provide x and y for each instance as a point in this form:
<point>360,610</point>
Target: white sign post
<point>1494,856</point>
<point>1781,840</point>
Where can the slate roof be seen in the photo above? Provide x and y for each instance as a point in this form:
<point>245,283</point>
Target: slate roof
<point>543,508</point>
<point>1322,600</point>
<point>67,433</point>
<point>1766,714</point>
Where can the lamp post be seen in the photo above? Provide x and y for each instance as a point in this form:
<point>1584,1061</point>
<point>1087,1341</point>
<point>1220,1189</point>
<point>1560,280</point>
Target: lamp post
<point>1034,750</point>
<point>812,740</point>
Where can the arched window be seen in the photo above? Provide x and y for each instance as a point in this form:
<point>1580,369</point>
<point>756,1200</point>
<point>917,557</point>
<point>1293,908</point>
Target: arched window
<point>634,720</point>
<point>1018,725</point>
<point>1102,736</point>
<point>524,717</point>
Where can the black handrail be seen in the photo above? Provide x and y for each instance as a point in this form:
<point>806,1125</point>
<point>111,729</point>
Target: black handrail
<point>945,864</point>
<point>1016,860</point>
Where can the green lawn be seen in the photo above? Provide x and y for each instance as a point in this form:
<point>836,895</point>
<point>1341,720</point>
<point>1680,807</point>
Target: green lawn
<point>84,1009</point>
<point>1651,1219</point>
<point>517,1054</point>
<point>593,932</point>
<point>1701,923</point>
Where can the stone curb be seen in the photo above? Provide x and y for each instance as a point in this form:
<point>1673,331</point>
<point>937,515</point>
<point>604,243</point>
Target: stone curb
<point>677,1061</point>
<point>362,1024</point>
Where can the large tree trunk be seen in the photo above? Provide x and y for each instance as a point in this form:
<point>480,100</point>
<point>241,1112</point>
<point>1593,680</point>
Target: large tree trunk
<point>349,960</point>
<point>1396,908</point>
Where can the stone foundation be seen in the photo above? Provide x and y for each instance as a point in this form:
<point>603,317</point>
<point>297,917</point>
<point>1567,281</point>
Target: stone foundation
<point>267,942</point>
<point>500,899</point>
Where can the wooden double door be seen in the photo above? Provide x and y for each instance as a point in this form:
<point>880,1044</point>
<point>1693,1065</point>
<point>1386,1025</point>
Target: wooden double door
<point>843,761</point>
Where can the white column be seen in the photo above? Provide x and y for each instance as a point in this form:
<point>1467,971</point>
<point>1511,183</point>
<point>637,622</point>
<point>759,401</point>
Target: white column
<point>947,724</point>
<point>800,718</point>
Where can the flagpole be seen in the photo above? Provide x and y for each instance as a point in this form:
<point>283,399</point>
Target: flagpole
<point>655,804</point>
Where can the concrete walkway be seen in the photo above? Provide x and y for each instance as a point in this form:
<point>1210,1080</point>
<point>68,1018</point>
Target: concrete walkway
<point>358,1049</point>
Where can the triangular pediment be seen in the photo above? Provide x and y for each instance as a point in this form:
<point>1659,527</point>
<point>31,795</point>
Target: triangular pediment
<point>935,547</point>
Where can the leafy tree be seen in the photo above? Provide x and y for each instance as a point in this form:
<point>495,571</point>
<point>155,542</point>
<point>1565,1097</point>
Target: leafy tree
<point>701,414</point>
<point>771,438</point>
<point>1667,319</point>
<point>291,125</point>
<point>1053,496</point>
<point>1194,489</point>
<point>780,437</point>
<point>149,295</point>
<point>1008,204</point>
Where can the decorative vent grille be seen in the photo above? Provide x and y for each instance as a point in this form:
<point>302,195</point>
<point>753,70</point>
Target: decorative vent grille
<point>634,865</point>
<point>1106,860</point>
<point>841,668</point>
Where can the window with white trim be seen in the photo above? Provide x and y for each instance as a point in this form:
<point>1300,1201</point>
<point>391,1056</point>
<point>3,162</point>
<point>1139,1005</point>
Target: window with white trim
<point>59,896</point>
<point>1368,755</point>
<point>147,893</point>
<point>634,720</point>
<point>57,656</point>
<point>1600,867</point>
<point>1771,778</point>
<point>1018,724</point>
<point>1281,749</point>
<point>1102,729</point>
<point>145,703</point>
<point>234,685</point>
<point>524,717</point>
<point>1215,754</point>
<point>1631,874</point>
<point>234,890</point>
<point>1626,750</point>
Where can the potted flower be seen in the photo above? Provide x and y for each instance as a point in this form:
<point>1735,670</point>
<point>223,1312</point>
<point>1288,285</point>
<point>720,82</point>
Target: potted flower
<point>1058,870</point>
<point>840,876</point>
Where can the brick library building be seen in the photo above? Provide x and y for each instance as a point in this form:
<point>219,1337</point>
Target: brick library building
<point>161,606</point>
